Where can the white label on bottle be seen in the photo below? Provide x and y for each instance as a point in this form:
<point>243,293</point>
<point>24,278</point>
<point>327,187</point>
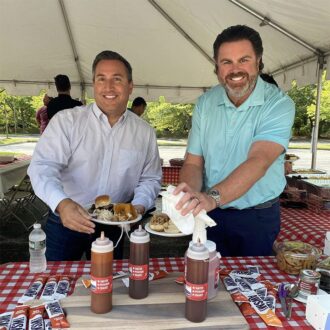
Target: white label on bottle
<point>39,245</point>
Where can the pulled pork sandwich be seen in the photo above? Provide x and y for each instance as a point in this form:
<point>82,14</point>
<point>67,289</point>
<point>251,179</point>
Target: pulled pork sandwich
<point>102,208</point>
<point>162,223</point>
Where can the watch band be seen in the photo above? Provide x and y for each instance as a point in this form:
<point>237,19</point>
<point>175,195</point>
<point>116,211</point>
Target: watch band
<point>215,194</point>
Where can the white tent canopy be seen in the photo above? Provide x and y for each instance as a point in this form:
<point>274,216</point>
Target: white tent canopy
<point>168,42</point>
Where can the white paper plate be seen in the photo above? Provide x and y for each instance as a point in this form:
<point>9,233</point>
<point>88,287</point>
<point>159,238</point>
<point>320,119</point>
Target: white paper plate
<point>162,233</point>
<point>117,223</point>
<point>112,223</point>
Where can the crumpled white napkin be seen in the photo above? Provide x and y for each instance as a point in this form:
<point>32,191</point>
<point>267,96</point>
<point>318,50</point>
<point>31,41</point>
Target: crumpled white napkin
<point>187,224</point>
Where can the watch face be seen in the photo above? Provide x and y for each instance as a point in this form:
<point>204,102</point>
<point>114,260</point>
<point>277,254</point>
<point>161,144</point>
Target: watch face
<point>214,193</point>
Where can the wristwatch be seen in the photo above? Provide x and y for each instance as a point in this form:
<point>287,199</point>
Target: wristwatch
<point>215,194</point>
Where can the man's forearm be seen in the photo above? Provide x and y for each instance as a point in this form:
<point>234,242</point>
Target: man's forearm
<point>192,175</point>
<point>241,180</point>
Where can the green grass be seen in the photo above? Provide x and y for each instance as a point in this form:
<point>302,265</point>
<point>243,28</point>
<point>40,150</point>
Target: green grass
<point>325,146</point>
<point>169,142</point>
<point>176,142</point>
<point>4,141</point>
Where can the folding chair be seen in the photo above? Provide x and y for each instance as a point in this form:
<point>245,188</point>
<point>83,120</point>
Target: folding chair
<point>18,199</point>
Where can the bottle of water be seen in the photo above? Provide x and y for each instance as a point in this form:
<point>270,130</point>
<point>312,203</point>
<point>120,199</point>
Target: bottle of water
<point>37,246</point>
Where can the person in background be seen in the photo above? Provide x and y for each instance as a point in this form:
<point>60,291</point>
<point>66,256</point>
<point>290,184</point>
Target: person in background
<point>139,106</point>
<point>64,99</point>
<point>99,149</point>
<point>41,114</point>
<point>234,164</point>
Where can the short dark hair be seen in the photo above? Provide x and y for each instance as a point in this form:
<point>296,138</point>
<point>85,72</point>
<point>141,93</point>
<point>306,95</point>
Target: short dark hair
<point>268,78</point>
<point>236,33</point>
<point>62,83</point>
<point>110,55</point>
<point>139,101</point>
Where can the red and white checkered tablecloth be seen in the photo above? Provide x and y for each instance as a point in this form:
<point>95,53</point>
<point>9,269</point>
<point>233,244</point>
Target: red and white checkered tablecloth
<point>304,225</point>
<point>170,175</point>
<point>15,279</point>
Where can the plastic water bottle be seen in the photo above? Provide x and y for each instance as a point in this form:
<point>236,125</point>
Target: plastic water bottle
<point>37,246</point>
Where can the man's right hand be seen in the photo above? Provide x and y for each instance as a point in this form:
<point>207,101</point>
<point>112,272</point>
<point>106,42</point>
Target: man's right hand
<point>75,217</point>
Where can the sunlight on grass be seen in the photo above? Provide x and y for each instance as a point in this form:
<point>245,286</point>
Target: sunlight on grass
<point>4,141</point>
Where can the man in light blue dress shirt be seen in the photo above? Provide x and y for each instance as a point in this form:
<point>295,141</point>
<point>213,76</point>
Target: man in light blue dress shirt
<point>234,165</point>
<point>90,151</point>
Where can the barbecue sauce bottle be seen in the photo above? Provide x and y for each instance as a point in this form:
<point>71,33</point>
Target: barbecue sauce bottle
<point>139,264</point>
<point>101,275</point>
<point>196,283</point>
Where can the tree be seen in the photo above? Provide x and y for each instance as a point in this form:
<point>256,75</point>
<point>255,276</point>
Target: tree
<point>302,97</point>
<point>169,119</point>
<point>324,123</point>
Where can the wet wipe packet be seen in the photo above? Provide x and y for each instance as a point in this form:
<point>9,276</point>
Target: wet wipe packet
<point>33,290</point>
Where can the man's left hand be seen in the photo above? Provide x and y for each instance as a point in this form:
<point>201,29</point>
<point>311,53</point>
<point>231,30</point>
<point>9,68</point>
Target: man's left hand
<point>193,201</point>
<point>140,209</point>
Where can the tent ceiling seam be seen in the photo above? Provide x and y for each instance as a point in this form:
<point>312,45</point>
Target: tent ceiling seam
<point>180,30</point>
<point>72,42</point>
<point>266,21</point>
<point>75,83</point>
<point>298,64</point>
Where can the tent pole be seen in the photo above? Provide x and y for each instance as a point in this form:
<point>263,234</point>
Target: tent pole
<point>317,111</point>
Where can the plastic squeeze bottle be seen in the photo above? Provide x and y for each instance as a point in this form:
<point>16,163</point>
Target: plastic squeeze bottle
<point>196,284</point>
<point>138,264</point>
<point>101,275</point>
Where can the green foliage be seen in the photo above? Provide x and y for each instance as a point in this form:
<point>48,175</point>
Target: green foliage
<point>324,123</point>
<point>17,114</point>
<point>169,120</point>
<point>305,100</point>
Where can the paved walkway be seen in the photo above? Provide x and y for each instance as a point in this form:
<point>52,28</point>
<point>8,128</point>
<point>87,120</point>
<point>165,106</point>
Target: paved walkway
<point>168,152</point>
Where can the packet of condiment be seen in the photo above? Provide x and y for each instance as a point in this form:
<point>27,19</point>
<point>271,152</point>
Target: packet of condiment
<point>270,302</point>
<point>224,271</point>
<point>253,269</point>
<point>48,324</point>
<point>243,273</point>
<point>267,315</point>
<point>242,285</point>
<point>62,288</point>
<point>5,319</point>
<point>246,309</point>
<point>56,315</point>
<point>253,283</point>
<point>87,281</point>
<point>230,284</point>
<point>36,320</point>
<point>180,280</point>
<point>262,293</point>
<point>156,275</point>
<point>19,320</point>
<point>50,288</point>
<point>33,290</point>
<point>237,296</point>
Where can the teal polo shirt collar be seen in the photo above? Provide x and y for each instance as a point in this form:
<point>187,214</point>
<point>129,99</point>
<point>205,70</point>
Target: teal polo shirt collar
<point>255,99</point>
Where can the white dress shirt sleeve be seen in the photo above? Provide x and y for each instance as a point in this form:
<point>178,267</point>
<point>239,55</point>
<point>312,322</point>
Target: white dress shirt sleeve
<point>149,184</point>
<point>50,156</point>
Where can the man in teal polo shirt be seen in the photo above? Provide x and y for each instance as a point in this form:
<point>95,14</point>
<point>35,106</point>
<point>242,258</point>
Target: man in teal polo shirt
<point>234,165</point>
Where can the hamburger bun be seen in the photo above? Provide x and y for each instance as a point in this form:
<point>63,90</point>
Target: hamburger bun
<point>170,227</point>
<point>125,211</point>
<point>102,201</point>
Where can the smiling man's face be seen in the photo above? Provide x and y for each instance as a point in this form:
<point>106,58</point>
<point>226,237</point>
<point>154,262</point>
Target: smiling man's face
<point>112,87</point>
<point>237,69</point>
